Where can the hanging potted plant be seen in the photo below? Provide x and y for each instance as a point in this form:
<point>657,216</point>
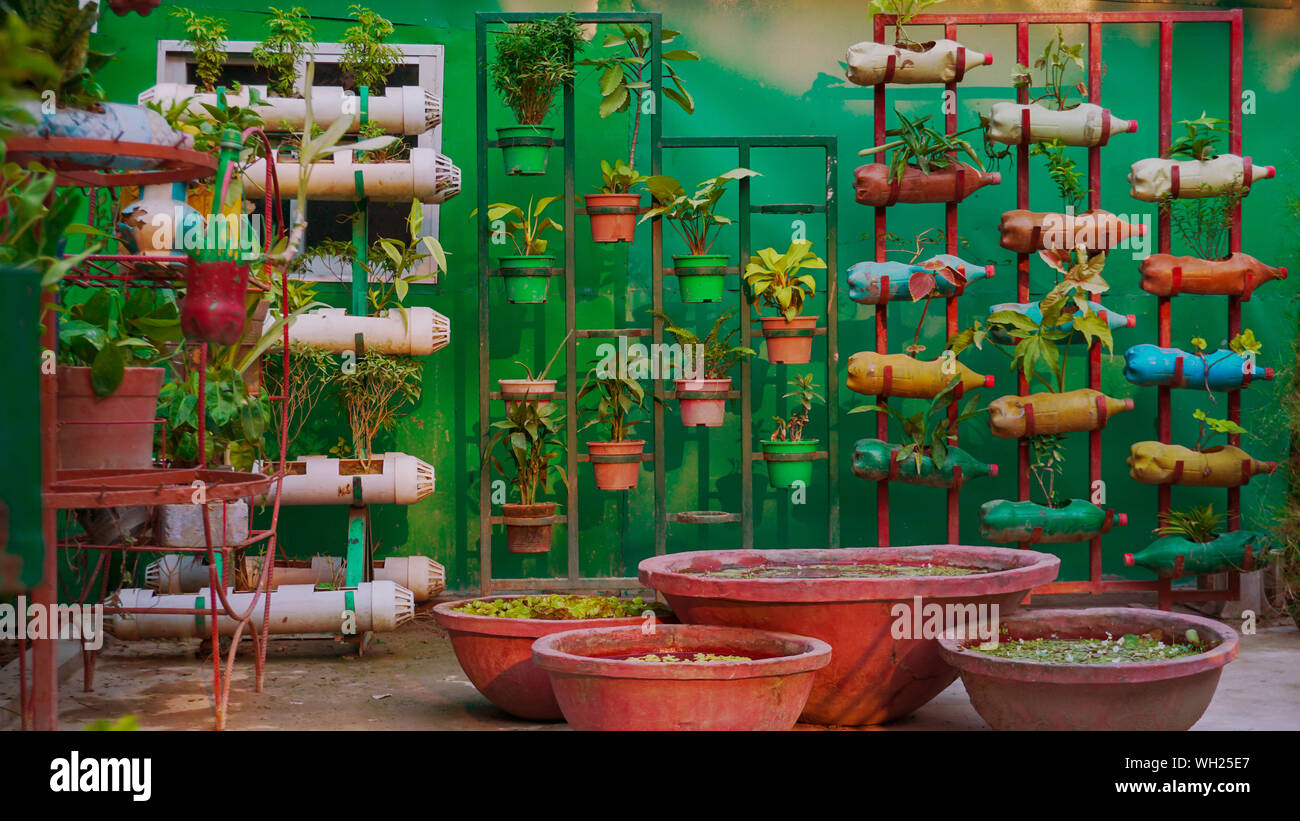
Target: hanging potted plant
<point>616,462</point>
<point>703,385</point>
<point>1190,169</point>
<point>923,167</point>
<point>613,211</point>
<point>525,280</point>
<point>533,61</point>
<point>691,215</point>
<point>532,388</point>
<point>774,279</point>
<point>788,455</point>
<point>531,433</point>
<point>907,61</point>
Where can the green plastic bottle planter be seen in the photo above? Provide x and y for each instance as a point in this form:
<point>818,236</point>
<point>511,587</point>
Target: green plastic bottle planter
<point>1075,521</point>
<point>877,461</point>
<point>794,462</point>
<point>522,286</point>
<point>1227,552</point>
<point>524,148</point>
<point>701,276</point>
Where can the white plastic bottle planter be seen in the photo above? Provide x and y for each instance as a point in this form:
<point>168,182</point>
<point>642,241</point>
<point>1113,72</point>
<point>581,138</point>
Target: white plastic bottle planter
<point>1084,125</point>
<point>427,176</point>
<point>421,332</point>
<point>187,573</point>
<point>942,61</point>
<point>1154,178</point>
<point>379,606</point>
<point>392,479</point>
<point>409,110</point>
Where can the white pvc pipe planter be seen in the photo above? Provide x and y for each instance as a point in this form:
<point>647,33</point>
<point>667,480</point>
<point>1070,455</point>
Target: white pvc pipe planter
<point>394,479</point>
<point>427,176</point>
<point>186,573</point>
<point>944,61</point>
<point>407,110</point>
<point>379,606</point>
<point>1154,178</point>
<point>421,332</point>
<point>1084,125</point>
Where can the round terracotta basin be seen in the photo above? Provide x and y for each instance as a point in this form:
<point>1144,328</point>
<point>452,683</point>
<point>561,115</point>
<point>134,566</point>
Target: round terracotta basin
<point>496,655</point>
<point>599,688</point>
<point>1169,694</point>
<point>877,673</point>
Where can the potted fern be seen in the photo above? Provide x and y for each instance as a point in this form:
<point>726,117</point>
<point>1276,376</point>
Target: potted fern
<point>702,389</point>
<point>774,280</point>
<point>524,282</point>
<point>923,167</point>
<point>788,455</point>
<point>616,461</point>
<point>531,432</point>
<point>613,210</point>
<point>531,388</point>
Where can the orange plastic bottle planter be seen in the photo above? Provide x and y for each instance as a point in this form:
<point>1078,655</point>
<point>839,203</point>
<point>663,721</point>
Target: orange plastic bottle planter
<point>1155,463</point>
<point>1028,231</point>
<point>872,186</point>
<point>1238,275</point>
<point>1012,417</point>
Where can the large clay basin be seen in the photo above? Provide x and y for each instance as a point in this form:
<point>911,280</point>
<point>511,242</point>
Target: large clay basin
<point>873,677</point>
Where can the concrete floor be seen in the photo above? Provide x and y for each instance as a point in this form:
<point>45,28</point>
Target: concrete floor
<point>409,680</point>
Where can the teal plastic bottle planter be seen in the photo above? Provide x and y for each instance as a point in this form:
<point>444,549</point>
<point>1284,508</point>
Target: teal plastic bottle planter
<point>792,462</point>
<point>877,461</point>
<point>701,276</point>
<point>1227,552</point>
<point>524,148</point>
<point>522,286</point>
<point>1075,521</point>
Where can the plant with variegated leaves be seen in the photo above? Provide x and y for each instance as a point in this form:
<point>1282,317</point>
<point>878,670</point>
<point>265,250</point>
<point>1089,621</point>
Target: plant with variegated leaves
<point>774,278</point>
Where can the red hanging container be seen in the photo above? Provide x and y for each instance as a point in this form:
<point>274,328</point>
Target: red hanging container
<point>215,305</point>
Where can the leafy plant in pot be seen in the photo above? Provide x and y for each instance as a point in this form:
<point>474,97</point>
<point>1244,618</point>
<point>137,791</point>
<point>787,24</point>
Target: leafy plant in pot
<point>616,462</point>
<point>788,455</point>
<point>613,211</point>
<point>703,385</point>
<point>291,39</point>
<point>525,232</point>
<point>533,61</point>
<point>774,280</point>
<point>531,388</point>
<point>530,433</point>
<point>1193,543</point>
<point>923,167</point>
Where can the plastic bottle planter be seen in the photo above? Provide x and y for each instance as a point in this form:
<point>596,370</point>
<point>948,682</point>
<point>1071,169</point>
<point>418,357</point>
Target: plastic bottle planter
<point>527,277</point>
<point>1012,417</point>
<point>701,276</point>
<point>898,374</point>
<point>789,342</point>
<point>1084,125</point>
<point>388,479</point>
<point>421,332</point>
<point>524,148</point>
<point>215,305</point>
<point>514,391</point>
<point>1222,370</point>
<point>703,401</point>
<point>1027,232</point>
<point>872,186</point>
<point>617,465</point>
<point>149,226</point>
<point>187,573</point>
<point>108,432</point>
<point>875,283</point>
<point>942,61</point>
<point>115,121</point>
<point>613,216</point>
<point>1075,521</point>
<point>878,461</point>
<point>1155,463</point>
<point>427,176</point>
<point>1174,556</point>
<point>1154,178</point>
<point>789,462</point>
<point>1031,310</point>
<point>1238,275</point>
<point>528,527</point>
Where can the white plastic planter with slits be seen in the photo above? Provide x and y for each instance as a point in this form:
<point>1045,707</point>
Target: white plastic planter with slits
<point>1154,178</point>
<point>379,606</point>
<point>409,110</point>
<point>419,333</point>
<point>1084,125</point>
<point>942,61</point>
<point>427,176</point>
<point>390,479</point>
<point>187,573</point>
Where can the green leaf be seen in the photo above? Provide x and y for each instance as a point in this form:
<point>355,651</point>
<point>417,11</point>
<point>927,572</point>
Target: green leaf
<point>107,370</point>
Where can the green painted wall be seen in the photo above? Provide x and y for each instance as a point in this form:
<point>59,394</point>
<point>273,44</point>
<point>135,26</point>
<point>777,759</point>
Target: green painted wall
<point>772,67</point>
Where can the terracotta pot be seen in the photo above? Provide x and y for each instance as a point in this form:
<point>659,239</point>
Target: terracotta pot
<point>1170,694</point>
<point>514,391</point>
<point>215,305</point>
<point>873,676</point>
<point>784,346</point>
<point>872,186</point>
<point>1027,232</point>
<point>897,374</point>
<point>613,216</point>
<point>496,655</point>
<point>623,467</point>
<point>110,432</point>
<point>527,537</point>
<point>1238,275</point>
<point>598,688</point>
<point>1011,417</point>
<point>704,412</point>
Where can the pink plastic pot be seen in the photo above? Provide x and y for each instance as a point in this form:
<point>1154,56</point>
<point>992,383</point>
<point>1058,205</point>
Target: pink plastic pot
<point>873,676</point>
<point>107,432</point>
<point>702,412</point>
<point>215,305</point>
<point>514,391</point>
<point>496,655</point>
<point>599,689</point>
<point>1171,694</point>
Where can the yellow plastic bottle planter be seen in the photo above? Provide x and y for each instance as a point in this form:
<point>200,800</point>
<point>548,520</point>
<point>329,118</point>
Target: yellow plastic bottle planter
<point>1155,463</point>
<point>1012,417</point>
<point>897,374</point>
<point>1002,520</point>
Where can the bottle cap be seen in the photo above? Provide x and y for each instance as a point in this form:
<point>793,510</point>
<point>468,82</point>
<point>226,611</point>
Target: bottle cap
<point>1132,126</point>
<point>1128,559</point>
<point>1268,373</point>
<point>988,272</point>
<point>1121,519</point>
<point>993,470</point>
<point>1281,272</point>
<point>1131,321</point>
<point>1265,172</point>
<point>988,58</point>
<point>995,177</point>
<point>988,381</point>
<point>1128,404</point>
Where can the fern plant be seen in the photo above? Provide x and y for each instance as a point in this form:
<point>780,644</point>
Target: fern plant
<point>291,39</point>
<point>1198,524</point>
<point>719,354</point>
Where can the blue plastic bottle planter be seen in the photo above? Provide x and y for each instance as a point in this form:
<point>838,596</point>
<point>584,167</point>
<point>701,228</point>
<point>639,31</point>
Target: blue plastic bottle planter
<point>867,279</point>
<point>1031,310</point>
<point>1148,364</point>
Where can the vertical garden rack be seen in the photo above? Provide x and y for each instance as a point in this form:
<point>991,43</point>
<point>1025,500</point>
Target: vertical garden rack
<point>743,145</point>
<point>1094,21</point>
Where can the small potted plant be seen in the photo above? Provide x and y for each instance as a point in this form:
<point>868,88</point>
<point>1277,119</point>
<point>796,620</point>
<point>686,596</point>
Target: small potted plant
<point>1190,169</point>
<point>691,215</point>
<point>531,433</point>
<point>613,211</point>
<point>793,462</point>
<point>703,386</point>
<point>1193,544</point>
<point>533,61</point>
<point>616,462</point>
<point>531,388</point>
<point>923,167</point>
<point>907,61</point>
<point>525,232</point>
<point>774,280</point>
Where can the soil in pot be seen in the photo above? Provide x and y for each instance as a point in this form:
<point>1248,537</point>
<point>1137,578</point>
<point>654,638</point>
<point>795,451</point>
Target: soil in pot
<point>703,412</point>
<point>524,148</point>
<point>616,465</point>
<point>110,432</point>
<point>613,216</point>
<point>784,473</point>
<point>522,286</point>
<point>700,276</point>
<point>789,342</point>
<point>523,536</point>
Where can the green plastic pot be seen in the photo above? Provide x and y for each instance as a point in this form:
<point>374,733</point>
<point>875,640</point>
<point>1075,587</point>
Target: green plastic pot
<point>521,286</point>
<point>783,473</point>
<point>524,148</point>
<point>698,285</point>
